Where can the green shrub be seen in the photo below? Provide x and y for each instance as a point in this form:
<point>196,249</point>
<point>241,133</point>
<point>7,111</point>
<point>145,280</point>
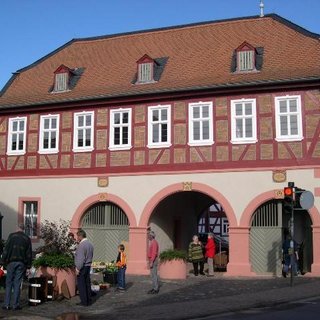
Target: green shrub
<point>54,260</point>
<point>173,254</point>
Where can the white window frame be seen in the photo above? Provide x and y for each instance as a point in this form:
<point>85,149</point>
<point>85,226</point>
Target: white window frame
<point>85,127</point>
<point>17,133</point>
<point>145,72</point>
<point>61,82</point>
<point>288,114</point>
<point>49,131</point>
<point>120,126</point>
<point>200,120</point>
<point>235,138</point>
<point>157,124</point>
<point>246,60</point>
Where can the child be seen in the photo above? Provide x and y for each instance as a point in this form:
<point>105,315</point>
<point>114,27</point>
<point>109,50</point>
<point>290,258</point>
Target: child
<point>122,266</point>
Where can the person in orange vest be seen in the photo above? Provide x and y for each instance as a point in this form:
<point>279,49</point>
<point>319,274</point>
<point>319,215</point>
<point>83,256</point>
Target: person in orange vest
<point>210,253</point>
<point>121,263</point>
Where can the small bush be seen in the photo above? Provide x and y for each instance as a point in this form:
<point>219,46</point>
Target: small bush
<point>173,254</point>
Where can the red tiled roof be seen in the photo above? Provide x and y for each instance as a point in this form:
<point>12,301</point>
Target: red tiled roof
<point>199,56</point>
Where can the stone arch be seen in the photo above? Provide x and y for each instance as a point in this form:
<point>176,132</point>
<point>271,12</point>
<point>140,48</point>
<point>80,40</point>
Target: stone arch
<point>178,187</point>
<point>75,221</point>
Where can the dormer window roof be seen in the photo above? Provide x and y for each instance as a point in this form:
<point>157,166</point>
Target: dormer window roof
<point>61,79</point>
<point>65,78</point>
<point>149,70</point>
<point>247,58</point>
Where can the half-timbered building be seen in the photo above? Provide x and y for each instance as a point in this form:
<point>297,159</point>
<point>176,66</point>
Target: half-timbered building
<point>124,132</point>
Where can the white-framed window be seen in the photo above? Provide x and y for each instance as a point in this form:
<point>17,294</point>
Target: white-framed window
<point>120,129</point>
<point>159,126</point>
<point>200,123</point>
<point>243,121</point>
<point>30,218</point>
<point>288,118</point>
<point>17,136</point>
<point>145,72</point>
<point>83,131</point>
<point>49,134</point>
<point>246,60</point>
<point>61,81</point>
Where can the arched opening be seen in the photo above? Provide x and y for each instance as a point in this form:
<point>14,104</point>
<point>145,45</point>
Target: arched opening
<point>180,215</point>
<point>268,225</point>
<point>106,225</point>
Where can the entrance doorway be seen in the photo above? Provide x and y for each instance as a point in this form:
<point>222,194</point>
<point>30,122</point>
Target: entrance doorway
<point>106,225</point>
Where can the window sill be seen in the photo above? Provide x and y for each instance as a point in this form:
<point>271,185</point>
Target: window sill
<point>15,153</point>
<point>119,148</point>
<point>200,144</point>
<point>288,139</point>
<point>83,150</point>
<point>243,141</point>
<point>159,146</point>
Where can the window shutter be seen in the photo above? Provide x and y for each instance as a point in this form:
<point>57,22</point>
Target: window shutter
<point>234,61</point>
<point>259,58</point>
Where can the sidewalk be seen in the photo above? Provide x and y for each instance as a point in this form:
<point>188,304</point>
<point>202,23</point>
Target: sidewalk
<point>183,299</point>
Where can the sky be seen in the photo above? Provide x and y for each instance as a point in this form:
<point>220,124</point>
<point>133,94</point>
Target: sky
<point>31,29</point>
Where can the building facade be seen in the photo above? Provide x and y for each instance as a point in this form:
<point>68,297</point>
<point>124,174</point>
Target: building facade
<point>120,133</point>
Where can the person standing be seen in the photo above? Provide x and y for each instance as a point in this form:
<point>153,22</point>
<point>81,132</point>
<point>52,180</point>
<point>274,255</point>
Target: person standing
<point>210,253</point>
<point>17,258</point>
<point>153,253</point>
<point>122,266</point>
<point>195,254</point>
<point>83,260</point>
<point>289,255</point>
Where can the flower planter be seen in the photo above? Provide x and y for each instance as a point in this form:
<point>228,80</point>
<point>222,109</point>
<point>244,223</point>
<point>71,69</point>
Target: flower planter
<point>69,275</point>
<point>173,269</point>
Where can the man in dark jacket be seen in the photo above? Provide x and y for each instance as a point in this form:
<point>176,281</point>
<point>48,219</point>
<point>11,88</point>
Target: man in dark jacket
<point>17,258</point>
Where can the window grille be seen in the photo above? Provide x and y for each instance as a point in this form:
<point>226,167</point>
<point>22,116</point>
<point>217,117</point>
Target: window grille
<point>30,214</point>
<point>266,216</point>
<point>61,82</point>
<point>246,61</point>
<point>145,72</point>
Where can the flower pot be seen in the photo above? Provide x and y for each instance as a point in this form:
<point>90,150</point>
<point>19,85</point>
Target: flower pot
<point>69,275</point>
<point>110,277</point>
<point>173,269</point>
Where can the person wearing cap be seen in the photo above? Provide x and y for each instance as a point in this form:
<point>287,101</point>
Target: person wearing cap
<point>210,253</point>
<point>153,253</point>
<point>17,259</point>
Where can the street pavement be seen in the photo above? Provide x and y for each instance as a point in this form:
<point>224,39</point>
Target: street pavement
<point>192,298</point>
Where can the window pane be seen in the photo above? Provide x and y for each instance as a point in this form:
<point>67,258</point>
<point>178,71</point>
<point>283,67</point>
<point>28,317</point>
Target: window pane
<point>164,133</point>
<point>14,125</point>
<point>116,118</point>
<point>88,137</point>
<point>196,112</point>
<point>116,136</point>
<point>54,123</point>
<point>196,131</point>
<point>155,133</point>
<point>248,128</point>
<point>46,124</point>
<point>20,141</point>
<point>248,109</point>
<point>293,105</point>
<point>88,120</point>
<point>125,135</point>
<point>21,125</point>
<point>14,142</point>
<point>46,140</point>
<point>155,115</point>
<point>53,140</point>
<point>125,117</point>
<point>205,111</point>
<point>284,125</point>
<point>239,128</point>
<point>80,121</point>
<point>80,138</point>
<point>294,124</point>
<point>238,109</point>
<point>164,114</point>
<point>206,130</point>
<point>283,106</point>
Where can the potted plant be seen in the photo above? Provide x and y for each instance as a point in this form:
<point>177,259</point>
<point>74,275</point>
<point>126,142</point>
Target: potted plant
<point>110,273</point>
<point>173,264</point>
<point>55,257</point>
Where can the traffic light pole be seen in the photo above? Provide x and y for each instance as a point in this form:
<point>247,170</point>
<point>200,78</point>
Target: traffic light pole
<point>292,244</point>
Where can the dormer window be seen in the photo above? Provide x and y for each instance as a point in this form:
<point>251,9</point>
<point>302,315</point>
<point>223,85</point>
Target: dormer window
<point>61,79</point>
<point>145,69</point>
<point>247,58</point>
<point>65,79</point>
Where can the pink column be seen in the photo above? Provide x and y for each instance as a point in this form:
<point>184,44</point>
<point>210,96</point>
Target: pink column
<point>239,261</point>
<point>315,267</point>
<point>137,262</point>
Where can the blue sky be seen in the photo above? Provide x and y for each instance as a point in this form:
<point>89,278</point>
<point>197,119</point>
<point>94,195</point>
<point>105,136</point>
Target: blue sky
<point>30,29</point>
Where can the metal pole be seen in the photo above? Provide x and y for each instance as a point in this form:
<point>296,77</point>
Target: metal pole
<point>292,245</point>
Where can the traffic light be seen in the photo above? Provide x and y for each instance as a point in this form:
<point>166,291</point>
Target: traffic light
<point>289,198</point>
<point>298,193</point>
